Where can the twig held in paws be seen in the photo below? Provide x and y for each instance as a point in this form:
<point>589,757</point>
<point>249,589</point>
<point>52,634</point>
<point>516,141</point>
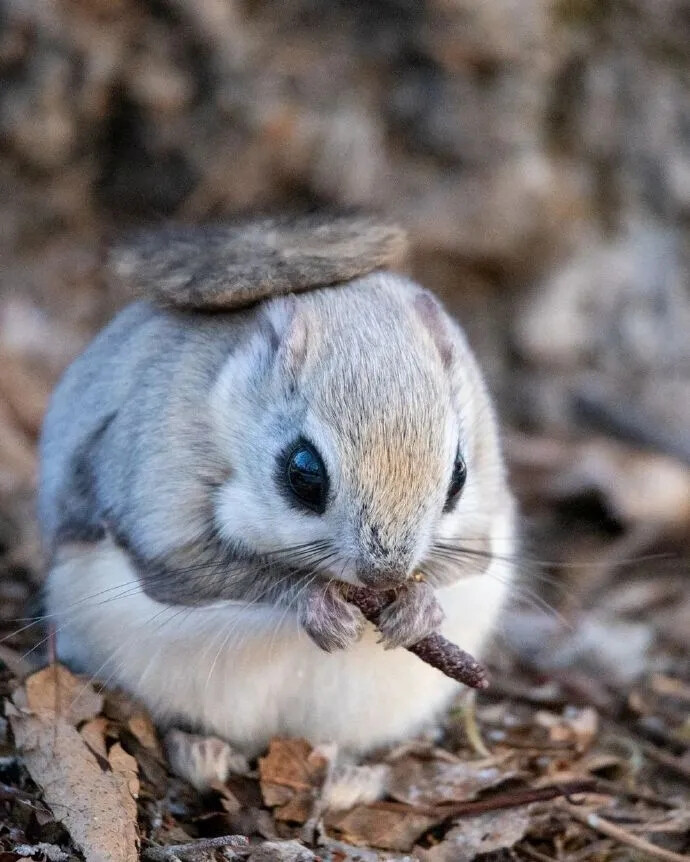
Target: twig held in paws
<point>434,649</point>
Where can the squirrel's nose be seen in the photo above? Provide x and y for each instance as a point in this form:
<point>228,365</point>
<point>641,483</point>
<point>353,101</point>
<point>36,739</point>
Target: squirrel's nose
<point>378,578</point>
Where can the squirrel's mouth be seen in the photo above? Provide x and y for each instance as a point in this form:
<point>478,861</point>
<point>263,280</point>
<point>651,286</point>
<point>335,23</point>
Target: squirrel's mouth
<point>374,579</point>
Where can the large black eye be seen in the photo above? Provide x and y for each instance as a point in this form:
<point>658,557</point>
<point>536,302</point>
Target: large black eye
<point>305,477</point>
<point>457,482</point>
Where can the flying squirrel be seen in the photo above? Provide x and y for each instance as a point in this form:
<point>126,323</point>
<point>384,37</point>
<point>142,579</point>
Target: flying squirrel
<point>278,418</point>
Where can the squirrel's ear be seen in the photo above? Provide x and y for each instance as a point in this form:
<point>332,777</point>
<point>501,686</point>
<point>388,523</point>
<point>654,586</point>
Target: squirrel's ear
<point>434,318</point>
<point>225,267</point>
<point>287,328</point>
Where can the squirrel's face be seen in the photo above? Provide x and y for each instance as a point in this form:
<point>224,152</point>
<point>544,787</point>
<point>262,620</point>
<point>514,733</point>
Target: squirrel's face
<point>347,423</point>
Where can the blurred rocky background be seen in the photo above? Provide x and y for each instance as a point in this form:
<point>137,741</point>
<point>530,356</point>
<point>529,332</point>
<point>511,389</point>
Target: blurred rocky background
<point>538,151</point>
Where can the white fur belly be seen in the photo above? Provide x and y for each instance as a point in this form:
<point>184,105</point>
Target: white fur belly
<point>248,673</point>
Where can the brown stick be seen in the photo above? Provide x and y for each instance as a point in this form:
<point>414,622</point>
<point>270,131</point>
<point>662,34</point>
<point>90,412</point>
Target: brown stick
<point>434,649</point>
<point>514,799</point>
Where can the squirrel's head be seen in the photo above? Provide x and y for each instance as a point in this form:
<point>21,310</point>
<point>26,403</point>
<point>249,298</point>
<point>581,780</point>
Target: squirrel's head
<point>359,436</point>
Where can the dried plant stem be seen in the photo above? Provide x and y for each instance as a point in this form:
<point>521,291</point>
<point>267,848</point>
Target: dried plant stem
<point>468,710</point>
<point>434,649</point>
<point>622,836</point>
<point>512,799</point>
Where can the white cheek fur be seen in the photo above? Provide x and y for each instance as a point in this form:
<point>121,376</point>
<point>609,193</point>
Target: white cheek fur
<point>265,526</point>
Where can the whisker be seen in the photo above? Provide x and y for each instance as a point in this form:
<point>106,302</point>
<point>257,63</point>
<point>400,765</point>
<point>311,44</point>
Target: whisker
<point>526,594</point>
<point>134,586</point>
<point>461,547</point>
<point>131,587</point>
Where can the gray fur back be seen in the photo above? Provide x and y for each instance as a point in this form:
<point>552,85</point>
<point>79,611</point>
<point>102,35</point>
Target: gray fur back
<point>112,449</point>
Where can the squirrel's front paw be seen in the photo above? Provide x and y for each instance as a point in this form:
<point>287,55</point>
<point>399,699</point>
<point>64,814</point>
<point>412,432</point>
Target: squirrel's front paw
<point>329,620</point>
<point>202,760</point>
<point>414,614</point>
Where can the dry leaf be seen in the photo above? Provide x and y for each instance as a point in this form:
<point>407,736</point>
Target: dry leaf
<point>496,830</point>
<point>435,781</point>
<point>291,775</point>
<point>55,690</point>
<point>297,810</point>
<point>381,827</point>
<point>96,806</point>
<point>290,766</point>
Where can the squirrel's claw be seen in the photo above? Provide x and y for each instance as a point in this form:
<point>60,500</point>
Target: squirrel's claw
<point>329,620</point>
<point>414,614</point>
